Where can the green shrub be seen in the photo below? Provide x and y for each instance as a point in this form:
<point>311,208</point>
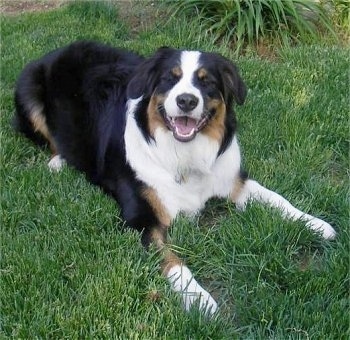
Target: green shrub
<point>247,21</point>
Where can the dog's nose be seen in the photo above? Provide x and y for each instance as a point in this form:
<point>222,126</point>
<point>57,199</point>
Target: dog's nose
<point>186,102</point>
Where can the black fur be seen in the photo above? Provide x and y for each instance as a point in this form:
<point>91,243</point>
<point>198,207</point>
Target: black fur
<point>83,89</point>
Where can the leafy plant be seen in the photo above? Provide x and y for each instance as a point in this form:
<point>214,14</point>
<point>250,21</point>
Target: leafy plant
<point>247,21</point>
<point>341,13</point>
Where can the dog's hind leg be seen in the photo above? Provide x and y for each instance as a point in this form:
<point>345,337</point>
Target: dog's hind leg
<point>38,120</point>
<point>252,190</point>
<point>31,116</point>
<point>56,163</point>
<point>30,120</point>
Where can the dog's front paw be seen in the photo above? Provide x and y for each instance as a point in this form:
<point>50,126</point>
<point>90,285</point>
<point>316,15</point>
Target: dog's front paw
<point>201,298</point>
<point>182,281</point>
<point>322,227</point>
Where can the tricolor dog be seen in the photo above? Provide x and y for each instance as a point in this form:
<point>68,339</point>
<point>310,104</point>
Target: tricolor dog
<point>158,134</point>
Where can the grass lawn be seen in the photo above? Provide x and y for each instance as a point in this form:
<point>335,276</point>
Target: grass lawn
<point>69,271</point>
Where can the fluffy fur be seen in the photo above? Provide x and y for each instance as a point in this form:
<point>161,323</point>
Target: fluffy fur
<point>157,134</point>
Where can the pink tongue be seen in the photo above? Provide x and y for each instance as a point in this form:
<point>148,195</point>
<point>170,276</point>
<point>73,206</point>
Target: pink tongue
<point>185,125</point>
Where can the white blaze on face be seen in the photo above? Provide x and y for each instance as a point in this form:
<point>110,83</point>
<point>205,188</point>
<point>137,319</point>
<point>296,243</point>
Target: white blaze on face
<point>189,65</point>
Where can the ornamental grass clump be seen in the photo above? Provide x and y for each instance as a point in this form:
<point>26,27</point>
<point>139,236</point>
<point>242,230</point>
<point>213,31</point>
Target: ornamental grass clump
<point>246,22</point>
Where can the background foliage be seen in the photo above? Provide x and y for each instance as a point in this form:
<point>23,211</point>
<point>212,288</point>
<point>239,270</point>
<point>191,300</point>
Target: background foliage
<point>250,22</point>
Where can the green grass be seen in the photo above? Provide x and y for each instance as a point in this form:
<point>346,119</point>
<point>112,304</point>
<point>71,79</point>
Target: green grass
<point>68,270</point>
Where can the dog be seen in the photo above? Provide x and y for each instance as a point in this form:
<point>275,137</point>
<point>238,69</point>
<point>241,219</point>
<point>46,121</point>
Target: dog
<point>158,134</point>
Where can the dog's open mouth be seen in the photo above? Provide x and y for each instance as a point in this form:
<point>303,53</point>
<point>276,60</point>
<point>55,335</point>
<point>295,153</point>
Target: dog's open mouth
<point>185,128</point>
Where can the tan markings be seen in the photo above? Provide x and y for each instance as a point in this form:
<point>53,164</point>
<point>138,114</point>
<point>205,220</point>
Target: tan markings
<point>202,73</point>
<point>39,124</point>
<point>39,121</point>
<point>169,259</point>
<point>215,128</point>
<point>53,147</point>
<point>155,120</point>
<point>237,188</point>
<point>158,236</point>
<point>159,233</point>
<point>152,198</point>
<point>176,71</point>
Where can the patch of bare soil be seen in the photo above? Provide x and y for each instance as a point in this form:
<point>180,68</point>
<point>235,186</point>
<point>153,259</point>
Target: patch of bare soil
<point>18,7</point>
<point>139,15</point>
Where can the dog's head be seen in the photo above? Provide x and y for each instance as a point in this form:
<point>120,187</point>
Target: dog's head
<point>187,92</point>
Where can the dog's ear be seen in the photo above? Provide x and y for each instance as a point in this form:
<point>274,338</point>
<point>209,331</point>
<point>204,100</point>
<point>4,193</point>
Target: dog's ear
<point>232,82</point>
<point>146,75</point>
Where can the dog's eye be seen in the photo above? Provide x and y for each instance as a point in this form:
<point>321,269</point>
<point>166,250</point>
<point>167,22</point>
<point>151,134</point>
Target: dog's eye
<point>206,81</point>
<point>170,77</point>
<point>175,76</point>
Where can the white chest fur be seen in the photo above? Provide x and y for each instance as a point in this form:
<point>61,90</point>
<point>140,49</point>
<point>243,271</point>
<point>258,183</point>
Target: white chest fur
<point>184,175</point>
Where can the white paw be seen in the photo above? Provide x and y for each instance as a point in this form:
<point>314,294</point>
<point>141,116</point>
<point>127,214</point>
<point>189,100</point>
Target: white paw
<point>322,227</point>
<point>182,281</point>
<point>56,163</point>
<point>205,301</point>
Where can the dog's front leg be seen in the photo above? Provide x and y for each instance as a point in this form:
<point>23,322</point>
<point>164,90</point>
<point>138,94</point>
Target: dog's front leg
<point>252,190</point>
<point>178,274</point>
